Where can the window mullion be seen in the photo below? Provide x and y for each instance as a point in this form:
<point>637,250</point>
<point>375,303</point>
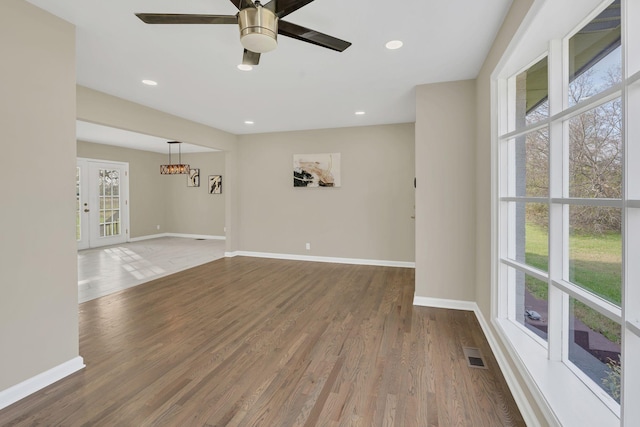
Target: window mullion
<point>631,216</point>
<point>556,174</point>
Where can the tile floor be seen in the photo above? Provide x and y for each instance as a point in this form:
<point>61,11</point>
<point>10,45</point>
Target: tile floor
<point>102,271</point>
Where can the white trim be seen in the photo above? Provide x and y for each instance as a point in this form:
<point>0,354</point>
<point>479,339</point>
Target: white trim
<point>518,199</point>
<point>195,236</point>
<point>561,395</point>
<point>526,410</point>
<point>186,236</point>
<point>601,98</point>
<point>594,301</point>
<point>147,237</point>
<point>518,393</point>
<point>293,257</point>
<point>572,201</point>
<point>40,381</point>
<point>444,303</point>
<point>633,327</point>
<point>531,271</point>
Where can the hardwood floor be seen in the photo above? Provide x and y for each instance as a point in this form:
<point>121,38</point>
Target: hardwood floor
<point>258,342</point>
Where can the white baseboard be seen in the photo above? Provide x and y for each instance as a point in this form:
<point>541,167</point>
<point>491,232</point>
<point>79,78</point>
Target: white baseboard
<point>196,236</point>
<point>518,393</point>
<point>148,237</point>
<point>186,236</point>
<point>292,257</point>
<point>444,303</point>
<point>40,381</point>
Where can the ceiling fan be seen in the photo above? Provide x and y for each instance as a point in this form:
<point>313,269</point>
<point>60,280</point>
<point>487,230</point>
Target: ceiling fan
<point>259,26</point>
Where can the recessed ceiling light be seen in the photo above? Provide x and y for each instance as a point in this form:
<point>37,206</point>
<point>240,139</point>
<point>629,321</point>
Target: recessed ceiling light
<point>245,67</point>
<point>150,82</point>
<point>360,113</point>
<point>393,44</point>
<point>248,122</point>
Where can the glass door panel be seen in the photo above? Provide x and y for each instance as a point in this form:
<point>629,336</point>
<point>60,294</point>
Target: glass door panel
<point>101,214</point>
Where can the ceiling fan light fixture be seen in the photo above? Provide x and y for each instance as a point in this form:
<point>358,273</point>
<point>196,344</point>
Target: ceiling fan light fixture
<point>258,29</point>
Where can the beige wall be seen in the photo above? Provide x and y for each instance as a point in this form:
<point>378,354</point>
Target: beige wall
<point>192,209</point>
<point>369,217</point>
<point>100,108</point>
<point>445,193</point>
<point>165,200</point>
<point>38,263</point>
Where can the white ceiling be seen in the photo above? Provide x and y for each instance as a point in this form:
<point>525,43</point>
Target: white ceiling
<point>297,86</point>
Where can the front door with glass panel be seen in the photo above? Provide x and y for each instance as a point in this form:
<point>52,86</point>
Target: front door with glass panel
<point>102,207</point>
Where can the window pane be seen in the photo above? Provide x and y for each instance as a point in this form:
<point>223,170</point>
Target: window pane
<point>595,56</point>
<point>532,94</point>
<point>595,251</point>
<point>531,300</point>
<point>530,228</point>
<point>594,346</point>
<point>595,152</point>
<point>531,164</point>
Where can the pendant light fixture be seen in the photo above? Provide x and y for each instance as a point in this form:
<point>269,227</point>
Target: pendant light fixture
<point>174,169</point>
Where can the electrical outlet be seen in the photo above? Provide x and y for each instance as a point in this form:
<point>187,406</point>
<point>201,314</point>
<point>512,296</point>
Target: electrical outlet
<point>308,246</point>
<point>158,227</point>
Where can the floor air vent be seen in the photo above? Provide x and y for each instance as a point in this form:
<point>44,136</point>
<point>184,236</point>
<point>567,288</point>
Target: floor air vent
<point>474,357</point>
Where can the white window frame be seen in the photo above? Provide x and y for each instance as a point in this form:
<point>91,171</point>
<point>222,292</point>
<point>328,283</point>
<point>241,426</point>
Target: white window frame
<point>545,367</point>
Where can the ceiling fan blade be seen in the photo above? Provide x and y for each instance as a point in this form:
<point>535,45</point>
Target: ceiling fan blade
<point>250,58</point>
<point>311,36</point>
<point>242,4</point>
<point>177,18</point>
<point>284,7</point>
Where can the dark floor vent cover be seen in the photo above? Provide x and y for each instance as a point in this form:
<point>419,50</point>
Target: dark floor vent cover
<point>200,239</point>
<point>474,357</point>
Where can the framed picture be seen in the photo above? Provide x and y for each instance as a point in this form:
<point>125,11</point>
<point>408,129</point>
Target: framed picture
<point>215,184</point>
<point>316,170</point>
<point>193,180</point>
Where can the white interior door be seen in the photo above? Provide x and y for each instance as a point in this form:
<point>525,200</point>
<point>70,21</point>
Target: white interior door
<point>102,208</point>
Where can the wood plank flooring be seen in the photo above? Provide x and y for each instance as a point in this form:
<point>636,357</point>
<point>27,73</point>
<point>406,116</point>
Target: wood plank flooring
<point>257,342</point>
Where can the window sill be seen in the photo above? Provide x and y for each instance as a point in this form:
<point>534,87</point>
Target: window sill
<point>570,401</point>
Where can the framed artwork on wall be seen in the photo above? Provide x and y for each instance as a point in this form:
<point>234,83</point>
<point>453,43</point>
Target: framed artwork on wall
<point>193,180</point>
<point>215,184</point>
<point>316,170</point>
